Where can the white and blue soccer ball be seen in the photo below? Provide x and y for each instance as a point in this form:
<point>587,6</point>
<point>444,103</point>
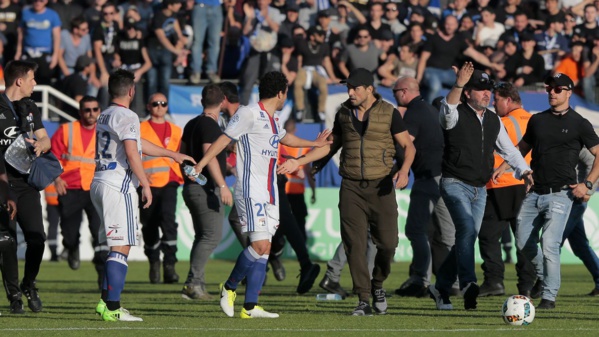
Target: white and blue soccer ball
<point>518,310</point>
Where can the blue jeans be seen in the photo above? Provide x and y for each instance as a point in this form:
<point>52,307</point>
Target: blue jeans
<point>433,80</point>
<point>579,242</point>
<point>160,74</point>
<point>466,204</point>
<point>548,212</point>
<point>588,87</point>
<point>207,25</point>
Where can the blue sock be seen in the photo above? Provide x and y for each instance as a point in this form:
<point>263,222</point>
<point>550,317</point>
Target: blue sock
<point>244,262</point>
<point>255,279</point>
<point>116,271</point>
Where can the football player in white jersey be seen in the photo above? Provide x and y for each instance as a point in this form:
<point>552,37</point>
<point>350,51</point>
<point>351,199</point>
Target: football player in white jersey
<point>258,131</point>
<point>119,171</point>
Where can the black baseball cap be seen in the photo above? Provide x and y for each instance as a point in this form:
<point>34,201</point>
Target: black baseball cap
<point>560,80</point>
<point>359,77</point>
<point>480,81</point>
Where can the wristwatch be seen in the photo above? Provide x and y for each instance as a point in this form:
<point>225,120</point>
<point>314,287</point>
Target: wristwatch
<point>588,184</point>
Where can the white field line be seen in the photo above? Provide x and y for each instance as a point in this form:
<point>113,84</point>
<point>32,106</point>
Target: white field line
<point>290,330</point>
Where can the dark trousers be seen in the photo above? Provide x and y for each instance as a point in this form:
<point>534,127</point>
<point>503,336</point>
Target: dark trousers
<point>53,217</point>
<point>363,205</point>
<point>160,216</point>
<point>495,222</point>
<point>29,217</point>
<point>300,211</point>
<point>255,65</point>
<point>72,205</point>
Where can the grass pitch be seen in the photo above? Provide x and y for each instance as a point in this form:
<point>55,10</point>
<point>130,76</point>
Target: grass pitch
<point>69,299</point>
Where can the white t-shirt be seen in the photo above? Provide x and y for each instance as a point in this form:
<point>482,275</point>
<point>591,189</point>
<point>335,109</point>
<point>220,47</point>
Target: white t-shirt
<point>257,135</point>
<point>115,125</point>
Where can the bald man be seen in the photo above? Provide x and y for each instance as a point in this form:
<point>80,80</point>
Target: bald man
<point>422,122</point>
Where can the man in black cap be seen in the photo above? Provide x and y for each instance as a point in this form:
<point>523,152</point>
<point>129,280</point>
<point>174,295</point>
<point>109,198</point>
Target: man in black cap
<point>555,137</point>
<point>366,128</point>
<point>471,133</point>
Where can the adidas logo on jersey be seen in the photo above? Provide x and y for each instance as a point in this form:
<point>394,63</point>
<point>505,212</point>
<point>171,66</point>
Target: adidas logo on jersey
<point>266,126</point>
<point>2,116</point>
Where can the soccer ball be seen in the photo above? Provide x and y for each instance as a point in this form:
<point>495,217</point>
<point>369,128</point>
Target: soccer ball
<point>518,310</point>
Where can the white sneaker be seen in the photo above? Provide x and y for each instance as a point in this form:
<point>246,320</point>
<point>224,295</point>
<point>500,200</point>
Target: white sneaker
<point>441,301</point>
<point>257,312</point>
<point>227,300</point>
<point>121,314</point>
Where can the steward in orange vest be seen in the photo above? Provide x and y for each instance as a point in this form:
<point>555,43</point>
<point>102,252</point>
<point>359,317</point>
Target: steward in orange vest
<point>74,144</point>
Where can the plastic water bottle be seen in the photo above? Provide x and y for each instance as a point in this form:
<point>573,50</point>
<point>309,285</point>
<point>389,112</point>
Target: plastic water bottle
<point>329,297</point>
<point>190,171</point>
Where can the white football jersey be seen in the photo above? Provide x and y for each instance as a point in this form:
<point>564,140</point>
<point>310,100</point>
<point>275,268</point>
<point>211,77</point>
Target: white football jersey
<point>115,125</point>
<point>257,135</point>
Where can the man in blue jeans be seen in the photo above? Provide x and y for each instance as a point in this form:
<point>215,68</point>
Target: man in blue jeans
<point>555,137</point>
<point>207,22</point>
<point>471,133</point>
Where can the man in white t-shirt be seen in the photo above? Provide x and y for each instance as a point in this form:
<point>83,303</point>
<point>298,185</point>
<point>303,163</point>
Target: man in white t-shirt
<point>257,130</point>
<point>119,171</point>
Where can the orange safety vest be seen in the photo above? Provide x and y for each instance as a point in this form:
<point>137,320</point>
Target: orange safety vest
<point>77,158</point>
<point>515,124</point>
<point>158,168</point>
<point>51,195</point>
<point>295,184</point>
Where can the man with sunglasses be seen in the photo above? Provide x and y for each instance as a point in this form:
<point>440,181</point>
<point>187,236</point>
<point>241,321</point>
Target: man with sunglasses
<point>472,133</point>
<point>165,178</point>
<point>74,144</point>
<point>556,137</point>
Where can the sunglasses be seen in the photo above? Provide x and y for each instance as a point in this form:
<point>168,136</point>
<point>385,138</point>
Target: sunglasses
<point>502,85</point>
<point>557,90</point>
<point>94,109</point>
<point>161,103</point>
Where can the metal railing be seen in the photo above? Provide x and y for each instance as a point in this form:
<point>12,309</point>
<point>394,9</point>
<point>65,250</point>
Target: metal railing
<point>46,105</point>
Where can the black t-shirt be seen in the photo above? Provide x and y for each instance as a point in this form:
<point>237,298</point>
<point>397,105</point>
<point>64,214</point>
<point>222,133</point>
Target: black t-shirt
<point>587,33</point>
<point>72,86</point>
<point>129,49</point>
<point>167,24</point>
<point>377,34</point>
<point>10,16</point>
<point>556,141</point>
<point>312,56</point>
<point>106,34</point>
<point>198,131</point>
<point>444,54</point>
<point>422,122</point>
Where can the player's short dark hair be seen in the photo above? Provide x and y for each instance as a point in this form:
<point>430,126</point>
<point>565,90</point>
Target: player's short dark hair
<point>271,84</point>
<point>76,22</point>
<point>120,82</point>
<point>17,69</point>
<point>87,99</point>
<point>212,95</point>
<point>507,89</point>
<point>109,4</point>
<point>230,91</point>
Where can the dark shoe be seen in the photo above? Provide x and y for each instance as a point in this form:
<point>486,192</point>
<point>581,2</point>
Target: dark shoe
<point>16,307</point>
<point>155,272</point>
<point>277,268</point>
<point>470,294</point>
<point>73,258</point>
<point>191,292</point>
<point>170,275</point>
<point>54,257</point>
<point>363,309</point>
<point>537,289</point>
<point>455,292</point>
<point>491,289</point>
<point>33,299</point>
<point>307,277</point>
<point>594,292</point>
<point>546,304</point>
<point>379,301</point>
<point>333,287</point>
<point>411,290</point>
<point>525,293</point>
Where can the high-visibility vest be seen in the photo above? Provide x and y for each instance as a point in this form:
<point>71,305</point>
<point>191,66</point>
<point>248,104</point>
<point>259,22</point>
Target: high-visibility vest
<point>295,184</point>
<point>515,124</point>
<point>51,195</point>
<point>76,157</point>
<point>158,168</point>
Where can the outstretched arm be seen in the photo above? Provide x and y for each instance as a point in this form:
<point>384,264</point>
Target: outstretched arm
<point>151,149</point>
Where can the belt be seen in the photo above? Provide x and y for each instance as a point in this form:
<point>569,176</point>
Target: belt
<point>549,190</point>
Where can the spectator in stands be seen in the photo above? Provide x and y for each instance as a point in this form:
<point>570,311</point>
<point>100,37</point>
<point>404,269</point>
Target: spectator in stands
<point>569,24</point>
<point>260,27</point>
<point>289,62</point>
<point>406,9</point>
<point>207,22</point>
<point>361,54</point>
<point>591,75</point>
<point>165,44</point>
<point>507,13</point>
<point>67,10</point>
<point>526,66</point>
<point>392,18</point>
<point>487,30</point>
<point>144,9</point>
<point>76,84</point>
<point>103,43</point>
<point>403,66</point>
<point>501,55</point>
<point>458,9</point>
<point>292,14</point>
<point>476,7</point>
<point>74,43</point>
<point>93,15</point>
<point>572,65</point>
<point>440,53</point>
<point>520,27</point>
<point>551,44</point>
<point>414,36</point>
<point>349,17</point>
<point>589,27</point>
<point>39,39</point>
<point>467,27</point>
<point>331,36</point>
<point>552,11</point>
<point>10,14</point>
<point>375,24</point>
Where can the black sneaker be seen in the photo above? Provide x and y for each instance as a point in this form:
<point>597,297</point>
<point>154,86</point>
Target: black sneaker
<point>307,277</point>
<point>33,299</point>
<point>411,290</point>
<point>470,294</point>
<point>537,289</point>
<point>546,304</point>
<point>170,275</point>
<point>594,292</point>
<point>155,272</point>
<point>73,258</point>
<point>333,287</point>
<point>16,307</point>
<point>491,289</point>
<point>363,309</point>
<point>379,301</point>
<point>277,268</point>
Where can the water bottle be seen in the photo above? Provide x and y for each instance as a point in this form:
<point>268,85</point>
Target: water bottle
<point>199,178</point>
<point>329,297</point>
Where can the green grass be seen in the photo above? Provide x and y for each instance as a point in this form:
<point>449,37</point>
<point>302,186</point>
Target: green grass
<point>70,297</point>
